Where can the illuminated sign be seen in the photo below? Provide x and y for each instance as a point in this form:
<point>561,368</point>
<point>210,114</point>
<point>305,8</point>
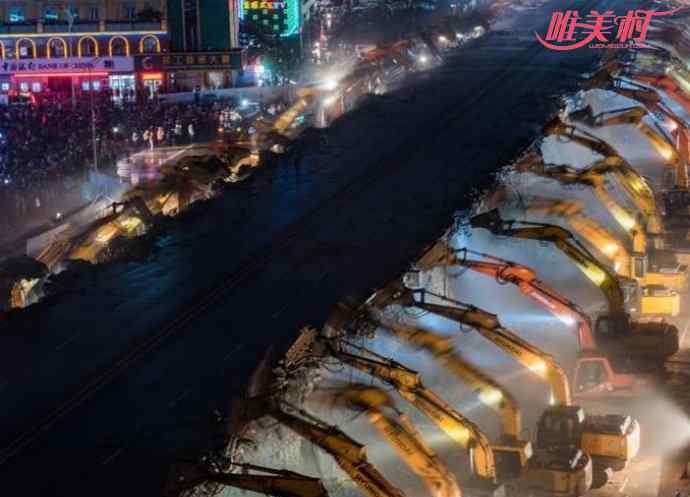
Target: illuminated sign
<point>256,5</point>
<point>67,65</point>
<point>263,13</point>
<point>231,59</point>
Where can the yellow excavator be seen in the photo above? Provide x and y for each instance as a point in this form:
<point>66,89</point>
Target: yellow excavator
<point>489,392</point>
<point>259,479</point>
<point>598,372</point>
<point>667,240</point>
<point>403,436</point>
<point>656,340</point>
<point>561,471</point>
<point>635,186</point>
<point>677,199</point>
<point>611,441</point>
<point>659,289</point>
<point>633,116</point>
<point>348,454</point>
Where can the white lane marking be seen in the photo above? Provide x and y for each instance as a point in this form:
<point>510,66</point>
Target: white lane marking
<point>113,456</point>
<point>67,342</point>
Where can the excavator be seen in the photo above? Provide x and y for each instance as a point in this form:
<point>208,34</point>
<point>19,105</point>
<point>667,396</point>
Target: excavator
<point>611,441</point>
<point>597,372</point>
<point>348,454</point>
<point>662,82</point>
<point>562,471</point>
<point>651,339</point>
<point>666,240</point>
<point>489,392</point>
<point>628,116</point>
<point>659,289</point>
<point>259,479</point>
<point>677,200</point>
<point>403,436</point>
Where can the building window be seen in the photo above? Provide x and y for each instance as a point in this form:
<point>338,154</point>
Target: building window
<point>129,11</point>
<point>5,86</point>
<point>118,46</point>
<point>16,14</point>
<point>73,14</point>
<point>86,47</point>
<point>23,87</point>
<point>85,86</point>
<point>36,87</point>
<point>25,49</point>
<point>51,13</point>
<point>93,14</point>
<point>57,47</point>
<point>149,44</point>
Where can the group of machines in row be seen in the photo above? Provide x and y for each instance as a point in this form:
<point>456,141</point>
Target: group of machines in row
<point>622,353</point>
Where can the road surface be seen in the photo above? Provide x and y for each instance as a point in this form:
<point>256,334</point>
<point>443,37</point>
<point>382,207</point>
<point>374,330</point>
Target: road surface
<point>106,386</point>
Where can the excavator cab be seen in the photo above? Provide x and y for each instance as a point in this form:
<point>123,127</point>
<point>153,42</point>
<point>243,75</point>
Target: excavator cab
<point>618,376</point>
<point>560,426</point>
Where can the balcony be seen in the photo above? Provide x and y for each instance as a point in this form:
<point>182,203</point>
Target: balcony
<point>40,26</point>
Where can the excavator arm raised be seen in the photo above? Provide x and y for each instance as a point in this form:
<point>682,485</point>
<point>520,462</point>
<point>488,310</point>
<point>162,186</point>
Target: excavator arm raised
<point>599,274</point>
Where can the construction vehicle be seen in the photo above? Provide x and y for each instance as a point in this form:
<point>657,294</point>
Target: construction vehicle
<point>655,340</point>
<point>597,372</point>
<point>259,479</point>
<point>611,441</point>
<point>348,454</point>
<point>403,436</point>
<point>565,472</point>
<point>633,116</point>
<point>489,392</point>
<point>664,82</point>
<point>677,200</point>
<point>659,287</point>
<point>657,270</point>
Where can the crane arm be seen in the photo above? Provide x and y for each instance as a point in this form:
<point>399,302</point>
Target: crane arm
<point>348,454</point>
<point>535,360</point>
<point>404,437</point>
<point>524,278</point>
<point>490,393</point>
<point>630,180</point>
<point>267,481</point>
<point>599,274</point>
<point>447,418</point>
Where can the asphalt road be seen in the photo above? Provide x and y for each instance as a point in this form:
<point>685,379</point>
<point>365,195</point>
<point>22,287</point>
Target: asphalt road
<point>105,387</point>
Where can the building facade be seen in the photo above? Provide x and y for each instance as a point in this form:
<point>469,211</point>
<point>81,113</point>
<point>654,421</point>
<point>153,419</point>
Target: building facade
<point>57,49</point>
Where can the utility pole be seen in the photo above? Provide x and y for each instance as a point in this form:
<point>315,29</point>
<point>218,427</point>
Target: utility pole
<point>94,139</point>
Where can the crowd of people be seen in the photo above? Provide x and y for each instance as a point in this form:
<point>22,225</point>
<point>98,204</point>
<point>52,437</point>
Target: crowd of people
<point>45,151</point>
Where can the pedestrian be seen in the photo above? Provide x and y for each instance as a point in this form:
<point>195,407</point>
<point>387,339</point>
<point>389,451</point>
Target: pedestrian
<point>160,134</point>
<point>152,140</point>
<point>190,131</point>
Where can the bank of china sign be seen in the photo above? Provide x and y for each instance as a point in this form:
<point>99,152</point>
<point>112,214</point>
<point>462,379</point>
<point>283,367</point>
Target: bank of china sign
<point>67,65</point>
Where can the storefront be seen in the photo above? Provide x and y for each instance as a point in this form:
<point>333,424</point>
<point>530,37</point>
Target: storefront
<point>68,79</point>
<point>185,72</point>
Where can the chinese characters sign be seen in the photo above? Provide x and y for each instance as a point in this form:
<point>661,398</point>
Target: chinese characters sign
<point>257,5</point>
<point>232,59</point>
<point>69,65</point>
<point>568,30</point>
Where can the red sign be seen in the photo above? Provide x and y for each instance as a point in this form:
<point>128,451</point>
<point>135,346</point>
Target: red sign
<point>569,31</point>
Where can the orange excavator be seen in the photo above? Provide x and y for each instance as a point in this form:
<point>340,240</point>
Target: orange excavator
<point>662,82</point>
<point>651,339</point>
<point>676,200</point>
<point>616,374</point>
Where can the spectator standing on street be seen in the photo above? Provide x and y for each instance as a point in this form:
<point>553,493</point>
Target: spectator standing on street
<point>190,131</point>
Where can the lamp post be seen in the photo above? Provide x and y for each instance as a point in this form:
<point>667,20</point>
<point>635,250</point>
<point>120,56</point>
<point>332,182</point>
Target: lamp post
<point>94,139</point>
